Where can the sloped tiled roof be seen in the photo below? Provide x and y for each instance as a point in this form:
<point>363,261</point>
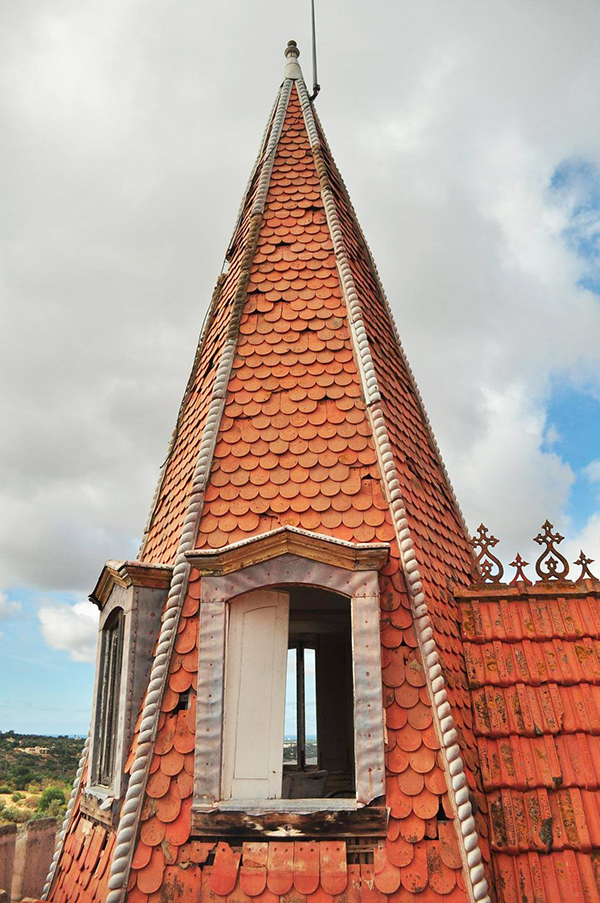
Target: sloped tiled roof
<point>296,445</point>
<point>533,660</point>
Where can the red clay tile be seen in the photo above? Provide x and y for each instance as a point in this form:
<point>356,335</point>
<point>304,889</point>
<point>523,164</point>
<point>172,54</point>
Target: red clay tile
<point>306,867</point>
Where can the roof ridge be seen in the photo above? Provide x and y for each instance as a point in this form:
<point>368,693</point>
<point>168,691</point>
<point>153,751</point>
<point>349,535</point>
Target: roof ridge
<point>131,810</point>
<point>458,790</point>
<point>204,329</point>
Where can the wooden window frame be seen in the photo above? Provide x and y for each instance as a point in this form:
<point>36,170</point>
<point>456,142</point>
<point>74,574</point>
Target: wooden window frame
<point>290,557</point>
<point>108,690</point>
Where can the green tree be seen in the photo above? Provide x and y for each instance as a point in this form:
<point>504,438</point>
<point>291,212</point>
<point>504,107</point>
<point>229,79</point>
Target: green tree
<point>48,796</point>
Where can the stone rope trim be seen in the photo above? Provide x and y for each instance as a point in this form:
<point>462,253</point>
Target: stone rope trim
<point>409,370</point>
<point>203,336</point>
<point>131,810</point>
<point>458,790</point>
<point>67,819</point>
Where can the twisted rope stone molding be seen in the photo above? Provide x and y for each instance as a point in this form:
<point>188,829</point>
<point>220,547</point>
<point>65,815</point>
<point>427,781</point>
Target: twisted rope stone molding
<point>405,360</point>
<point>458,790</point>
<point>130,813</point>
<point>67,819</point>
<point>203,336</point>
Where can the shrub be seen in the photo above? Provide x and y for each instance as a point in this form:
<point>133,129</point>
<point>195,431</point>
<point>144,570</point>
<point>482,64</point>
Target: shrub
<point>11,814</point>
<point>17,796</point>
<point>49,795</point>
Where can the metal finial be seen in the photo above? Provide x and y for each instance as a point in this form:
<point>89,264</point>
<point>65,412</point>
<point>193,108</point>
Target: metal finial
<point>292,67</point>
<point>292,50</point>
<point>551,565</point>
<point>491,567</point>
<point>520,564</point>
<point>583,561</point>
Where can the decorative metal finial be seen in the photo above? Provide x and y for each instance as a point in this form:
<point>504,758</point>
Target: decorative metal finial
<point>551,565</point>
<point>292,67</point>
<point>520,566</point>
<point>584,561</point>
<point>292,50</point>
<point>491,567</point>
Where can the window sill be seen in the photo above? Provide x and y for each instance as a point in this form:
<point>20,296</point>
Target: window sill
<point>290,818</point>
<point>98,803</point>
<point>309,805</point>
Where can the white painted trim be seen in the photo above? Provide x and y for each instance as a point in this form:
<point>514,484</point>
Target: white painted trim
<point>241,735</point>
<point>443,719</point>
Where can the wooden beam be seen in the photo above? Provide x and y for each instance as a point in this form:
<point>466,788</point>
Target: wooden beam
<point>368,821</point>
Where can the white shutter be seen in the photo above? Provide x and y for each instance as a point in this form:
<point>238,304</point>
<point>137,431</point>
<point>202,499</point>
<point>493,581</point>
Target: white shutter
<point>255,695</point>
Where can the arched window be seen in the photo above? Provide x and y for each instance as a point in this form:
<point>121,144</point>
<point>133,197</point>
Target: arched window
<point>107,700</point>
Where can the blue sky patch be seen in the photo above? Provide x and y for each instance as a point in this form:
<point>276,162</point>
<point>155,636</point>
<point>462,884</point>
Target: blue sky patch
<point>44,691</point>
<point>575,186</point>
<point>575,415</point>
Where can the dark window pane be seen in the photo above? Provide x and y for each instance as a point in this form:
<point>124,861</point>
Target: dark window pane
<point>107,708</point>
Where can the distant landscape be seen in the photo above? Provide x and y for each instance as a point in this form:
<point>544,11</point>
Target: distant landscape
<point>290,750</point>
<point>36,774</point>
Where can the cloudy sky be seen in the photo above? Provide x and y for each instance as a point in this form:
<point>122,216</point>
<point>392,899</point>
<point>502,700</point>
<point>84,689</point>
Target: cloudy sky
<point>468,134</point>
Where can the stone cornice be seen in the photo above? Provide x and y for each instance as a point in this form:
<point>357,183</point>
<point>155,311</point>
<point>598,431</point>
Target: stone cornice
<point>290,540</point>
<point>129,573</point>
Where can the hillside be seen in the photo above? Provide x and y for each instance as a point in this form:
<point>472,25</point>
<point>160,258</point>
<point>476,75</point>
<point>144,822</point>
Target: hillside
<point>36,774</point>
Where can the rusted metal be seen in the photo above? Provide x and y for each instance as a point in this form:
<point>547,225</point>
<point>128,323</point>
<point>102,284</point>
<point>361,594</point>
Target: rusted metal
<point>491,568</point>
<point>520,564</point>
<point>286,570</point>
<point>583,561</point>
<point>368,710</point>
<point>209,718</point>
<point>551,565</point>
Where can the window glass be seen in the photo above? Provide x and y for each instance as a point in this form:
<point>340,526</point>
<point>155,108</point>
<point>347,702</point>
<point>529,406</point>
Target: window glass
<point>290,734</point>
<point>310,707</point>
<point>107,705</point>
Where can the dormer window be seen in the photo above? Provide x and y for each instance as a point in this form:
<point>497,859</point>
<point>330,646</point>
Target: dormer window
<point>130,596</point>
<point>289,633</point>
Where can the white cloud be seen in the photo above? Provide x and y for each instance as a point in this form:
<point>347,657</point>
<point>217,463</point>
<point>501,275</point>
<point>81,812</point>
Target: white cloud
<point>592,473</point>
<point>72,628</point>
<point>127,140</point>
<point>8,608</point>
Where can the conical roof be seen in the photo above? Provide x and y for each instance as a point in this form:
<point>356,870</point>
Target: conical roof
<point>301,411</point>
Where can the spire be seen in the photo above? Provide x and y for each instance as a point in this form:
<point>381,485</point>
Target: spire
<point>301,412</point>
